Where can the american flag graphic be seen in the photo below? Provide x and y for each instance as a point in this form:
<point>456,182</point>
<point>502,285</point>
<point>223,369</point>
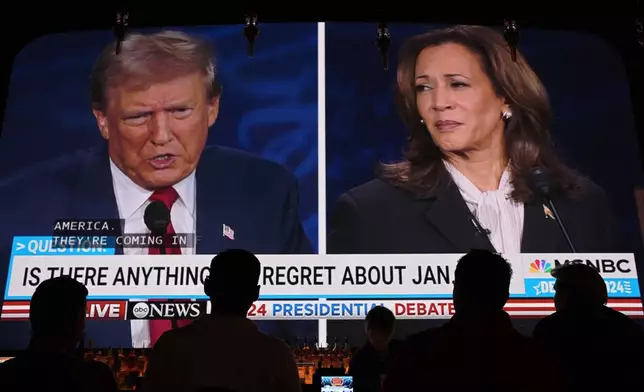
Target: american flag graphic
<point>228,232</point>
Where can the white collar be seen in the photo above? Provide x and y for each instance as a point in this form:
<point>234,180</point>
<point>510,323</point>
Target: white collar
<point>130,196</point>
<point>471,192</point>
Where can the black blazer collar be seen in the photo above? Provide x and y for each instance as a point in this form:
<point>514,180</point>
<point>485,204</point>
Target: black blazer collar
<point>540,233</point>
<point>451,217</point>
<point>449,214</point>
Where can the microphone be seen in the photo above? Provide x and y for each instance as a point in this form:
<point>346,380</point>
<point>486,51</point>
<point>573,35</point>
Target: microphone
<point>480,230</point>
<point>157,219</point>
<point>541,183</point>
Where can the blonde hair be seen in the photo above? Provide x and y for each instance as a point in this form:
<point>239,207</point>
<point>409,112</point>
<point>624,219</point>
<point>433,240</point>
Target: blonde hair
<point>150,58</point>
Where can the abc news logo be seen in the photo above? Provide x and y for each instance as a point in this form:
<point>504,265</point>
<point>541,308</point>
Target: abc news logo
<point>166,310</point>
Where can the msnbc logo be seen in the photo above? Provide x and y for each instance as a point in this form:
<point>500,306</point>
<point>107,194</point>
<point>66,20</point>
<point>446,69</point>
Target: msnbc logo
<point>540,266</point>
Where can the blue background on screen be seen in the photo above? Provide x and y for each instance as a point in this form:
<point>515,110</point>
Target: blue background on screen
<point>593,125</point>
<point>268,106</point>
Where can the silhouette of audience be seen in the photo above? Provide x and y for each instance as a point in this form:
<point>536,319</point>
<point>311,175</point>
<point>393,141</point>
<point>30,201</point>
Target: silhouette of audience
<point>477,349</point>
<point>602,349</point>
<point>214,351</point>
<point>369,364</point>
<point>52,362</point>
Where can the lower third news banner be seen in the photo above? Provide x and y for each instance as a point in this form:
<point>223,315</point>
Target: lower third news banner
<point>292,286</point>
<point>305,310</point>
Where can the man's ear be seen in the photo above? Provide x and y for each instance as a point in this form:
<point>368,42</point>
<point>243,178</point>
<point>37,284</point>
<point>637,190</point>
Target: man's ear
<point>213,111</point>
<point>101,121</point>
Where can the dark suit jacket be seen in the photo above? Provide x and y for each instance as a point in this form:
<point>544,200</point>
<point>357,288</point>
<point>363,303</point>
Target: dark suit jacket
<point>462,356</point>
<point>377,218</point>
<point>33,371</point>
<point>367,366</point>
<point>576,337</point>
<point>258,199</point>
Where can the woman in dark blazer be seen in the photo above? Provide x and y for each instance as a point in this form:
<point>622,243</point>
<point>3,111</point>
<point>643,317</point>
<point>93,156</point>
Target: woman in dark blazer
<point>478,126</point>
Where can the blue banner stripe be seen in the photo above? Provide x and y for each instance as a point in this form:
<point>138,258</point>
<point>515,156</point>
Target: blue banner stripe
<point>616,287</point>
<point>45,246</point>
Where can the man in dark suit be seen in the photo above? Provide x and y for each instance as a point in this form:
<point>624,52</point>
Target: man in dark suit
<point>477,349</point>
<point>370,363</point>
<point>154,104</point>
<point>584,330</point>
<point>52,362</point>
<point>188,359</point>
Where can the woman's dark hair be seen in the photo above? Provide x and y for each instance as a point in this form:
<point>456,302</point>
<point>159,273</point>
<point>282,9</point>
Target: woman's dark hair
<point>527,135</point>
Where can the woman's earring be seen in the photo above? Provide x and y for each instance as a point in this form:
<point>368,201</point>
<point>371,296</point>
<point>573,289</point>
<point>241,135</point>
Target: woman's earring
<point>422,121</point>
<point>506,115</point>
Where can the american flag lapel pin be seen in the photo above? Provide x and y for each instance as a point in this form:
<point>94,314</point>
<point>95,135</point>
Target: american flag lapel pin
<point>228,232</point>
<point>547,212</point>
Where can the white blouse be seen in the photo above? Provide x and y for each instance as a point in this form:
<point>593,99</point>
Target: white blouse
<point>494,210</point>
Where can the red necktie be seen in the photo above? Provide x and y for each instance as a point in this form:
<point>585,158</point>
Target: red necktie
<point>168,196</point>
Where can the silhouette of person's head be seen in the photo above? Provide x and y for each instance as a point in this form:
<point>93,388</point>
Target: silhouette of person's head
<point>579,285</point>
<point>232,285</point>
<point>57,312</point>
<point>481,283</point>
<point>380,324</point>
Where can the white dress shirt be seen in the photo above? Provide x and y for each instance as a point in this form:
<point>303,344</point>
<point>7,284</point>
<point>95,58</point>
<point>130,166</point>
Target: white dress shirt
<point>131,200</point>
<point>494,210</point>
